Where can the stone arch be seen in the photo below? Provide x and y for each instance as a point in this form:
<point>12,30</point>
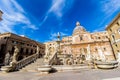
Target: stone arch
<point>12,51</point>
<point>27,51</point>
<point>2,53</point>
<point>68,62</point>
<point>21,50</point>
<point>31,52</point>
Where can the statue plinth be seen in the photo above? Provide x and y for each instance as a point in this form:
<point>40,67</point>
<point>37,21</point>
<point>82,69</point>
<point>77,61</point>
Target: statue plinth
<point>7,69</point>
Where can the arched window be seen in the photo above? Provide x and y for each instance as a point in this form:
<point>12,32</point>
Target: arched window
<point>31,51</point>
<point>113,37</point>
<point>12,49</point>
<point>104,49</point>
<point>119,30</point>
<point>21,51</point>
<point>96,49</point>
<point>26,51</point>
<point>81,38</point>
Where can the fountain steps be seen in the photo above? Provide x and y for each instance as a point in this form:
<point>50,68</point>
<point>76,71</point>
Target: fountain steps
<point>70,67</point>
<point>33,66</point>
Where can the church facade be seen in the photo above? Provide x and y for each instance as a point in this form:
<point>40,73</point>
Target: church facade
<point>92,45</point>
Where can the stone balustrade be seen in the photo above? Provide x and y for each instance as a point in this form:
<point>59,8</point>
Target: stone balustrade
<point>26,61</point>
<point>20,64</point>
<point>53,58</point>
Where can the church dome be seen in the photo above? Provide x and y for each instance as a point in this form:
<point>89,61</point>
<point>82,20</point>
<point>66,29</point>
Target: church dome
<point>78,29</point>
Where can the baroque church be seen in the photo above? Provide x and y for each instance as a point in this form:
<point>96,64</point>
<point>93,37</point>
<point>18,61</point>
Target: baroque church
<point>92,45</point>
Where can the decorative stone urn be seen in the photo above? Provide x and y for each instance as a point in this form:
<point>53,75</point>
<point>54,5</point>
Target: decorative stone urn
<point>106,64</point>
<point>44,69</point>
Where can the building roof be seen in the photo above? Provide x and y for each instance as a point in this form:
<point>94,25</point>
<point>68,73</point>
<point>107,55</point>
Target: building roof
<point>116,18</point>
<point>19,37</point>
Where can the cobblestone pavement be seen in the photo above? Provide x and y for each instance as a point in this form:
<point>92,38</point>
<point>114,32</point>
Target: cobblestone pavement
<point>83,74</point>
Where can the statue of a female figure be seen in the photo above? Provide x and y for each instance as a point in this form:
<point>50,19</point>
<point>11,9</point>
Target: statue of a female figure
<point>38,49</point>
<point>16,51</point>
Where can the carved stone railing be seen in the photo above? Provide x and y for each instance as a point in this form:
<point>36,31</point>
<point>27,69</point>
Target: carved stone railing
<point>20,64</point>
<point>26,61</point>
<point>50,59</point>
<point>53,58</point>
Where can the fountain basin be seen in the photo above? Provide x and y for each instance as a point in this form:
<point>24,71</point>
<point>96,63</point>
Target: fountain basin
<point>44,69</point>
<point>106,64</point>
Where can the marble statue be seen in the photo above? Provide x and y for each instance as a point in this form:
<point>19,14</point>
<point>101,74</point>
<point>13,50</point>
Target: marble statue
<point>7,58</point>
<point>38,49</point>
<point>16,51</point>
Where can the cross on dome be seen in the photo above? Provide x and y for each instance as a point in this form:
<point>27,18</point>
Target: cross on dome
<point>77,23</point>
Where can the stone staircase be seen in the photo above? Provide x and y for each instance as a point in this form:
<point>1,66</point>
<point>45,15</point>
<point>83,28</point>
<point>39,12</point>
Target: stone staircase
<point>33,66</point>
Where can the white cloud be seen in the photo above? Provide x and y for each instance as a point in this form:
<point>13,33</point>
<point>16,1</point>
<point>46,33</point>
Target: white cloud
<point>99,29</point>
<point>53,36</point>
<point>58,7</point>
<point>108,8</point>
<point>13,15</point>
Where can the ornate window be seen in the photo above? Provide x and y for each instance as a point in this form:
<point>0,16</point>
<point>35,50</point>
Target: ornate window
<point>117,23</point>
<point>118,51</point>
<point>81,38</point>
<point>119,30</point>
<point>113,37</point>
<point>116,45</point>
<point>96,49</point>
<point>104,49</point>
<point>111,30</point>
<point>98,37</point>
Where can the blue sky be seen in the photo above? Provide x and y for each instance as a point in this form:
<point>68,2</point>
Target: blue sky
<point>41,20</point>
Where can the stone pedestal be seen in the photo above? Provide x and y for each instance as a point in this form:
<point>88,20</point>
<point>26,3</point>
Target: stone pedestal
<point>9,68</point>
<point>6,69</point>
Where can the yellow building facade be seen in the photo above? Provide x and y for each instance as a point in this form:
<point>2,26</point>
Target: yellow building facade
<point>113,30</point>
